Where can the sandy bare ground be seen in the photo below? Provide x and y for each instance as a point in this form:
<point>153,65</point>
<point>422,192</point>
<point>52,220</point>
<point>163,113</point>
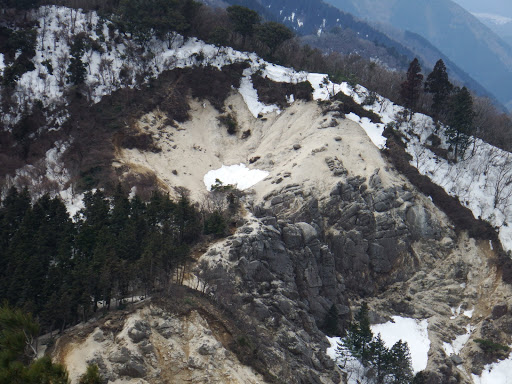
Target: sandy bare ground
<point>203,144</point>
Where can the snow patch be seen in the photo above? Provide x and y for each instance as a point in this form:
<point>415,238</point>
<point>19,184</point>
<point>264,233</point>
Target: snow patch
<point>73,202</point>
<point>495,373</point>
<point>460,341</point>
<point>353,367</point>
<point>469,313</point>
<point>250,96</point>
<point>374,131</point>
<point>455,312</point>
<point>238,175</point>
<point>412,331</point>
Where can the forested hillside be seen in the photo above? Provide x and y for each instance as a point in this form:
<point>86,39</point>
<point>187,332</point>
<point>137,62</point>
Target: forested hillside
<point>62,269</point>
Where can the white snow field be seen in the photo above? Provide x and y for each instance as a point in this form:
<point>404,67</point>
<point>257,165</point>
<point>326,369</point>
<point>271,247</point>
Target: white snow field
<point>412,331</point>
<point>496,373</point>
<point>104,64</point>
<point>460,341</point>
<point>237,175</point>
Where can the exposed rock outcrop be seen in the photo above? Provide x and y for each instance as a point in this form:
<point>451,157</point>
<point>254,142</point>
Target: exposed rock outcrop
<point>153,345</point>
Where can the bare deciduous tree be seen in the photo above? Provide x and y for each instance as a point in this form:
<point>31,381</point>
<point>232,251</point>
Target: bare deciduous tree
<point>503,184</point>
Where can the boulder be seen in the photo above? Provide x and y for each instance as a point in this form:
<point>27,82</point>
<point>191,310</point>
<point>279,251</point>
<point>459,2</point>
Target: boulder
<point>499,311</point>
<point>309,233</point>
<point>207,349</point>
<point>120,357</point>
<point>292,236</point>
<point>133,369</point>
<point>456,359</point>
<point>98,336</point>
<point>137,335</point>
<point>375,181</point>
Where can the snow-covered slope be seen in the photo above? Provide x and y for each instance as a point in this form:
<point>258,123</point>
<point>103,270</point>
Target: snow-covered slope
<point>482,181</point>
<point>116,61</point>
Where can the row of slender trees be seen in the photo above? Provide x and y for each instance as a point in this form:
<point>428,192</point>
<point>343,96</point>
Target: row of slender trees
<point>62,269</point>
<point>452,106</point>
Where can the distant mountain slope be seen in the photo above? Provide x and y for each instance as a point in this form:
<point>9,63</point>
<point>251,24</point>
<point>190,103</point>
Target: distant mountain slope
<point>501,25</point>
<point>392,47</point>
<point>498,7</point>
<point>314,16</point>
<point>456,32</point>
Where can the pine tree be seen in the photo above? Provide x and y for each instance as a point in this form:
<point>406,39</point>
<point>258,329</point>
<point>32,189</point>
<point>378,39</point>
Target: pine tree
<point>331,321</point>
<point>460,122</point>
<point>439,85</point>
<point>76,68</point>
<point>145,18</point>
<point>43,371</point>
<point>17,333</point>
<point>23,5</point>
<point>14,209</point>
<point>380,359</point>
<point>215,224</point>
<point>388,365</point>
<point>187,221</point>
<point>273,34</point>
<point>401,365</point>
<point>91,376</point>
<point>360,335</point>
<point>411,87</point>
<point>243,19</point>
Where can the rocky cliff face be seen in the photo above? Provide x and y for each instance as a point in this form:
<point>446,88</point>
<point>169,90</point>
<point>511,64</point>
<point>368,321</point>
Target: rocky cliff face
<point>287,266</point>
<point>332,224</point>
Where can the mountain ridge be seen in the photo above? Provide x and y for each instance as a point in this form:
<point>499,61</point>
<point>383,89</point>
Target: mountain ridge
<point>402,49</point>
<point>454,31</point>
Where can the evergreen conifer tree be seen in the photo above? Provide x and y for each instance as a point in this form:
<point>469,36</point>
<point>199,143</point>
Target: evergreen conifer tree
<point>360,335</point>
<point>411,87</point>
<point>17,333</point>
<point>331,321</point>
<point>439,85</point>
<point>460,122</point>
<point>76,69</point>
<point>401,365</point>
<point>244,19</point>
<point>272,34</point>
<point>91,376</point>
<point>380,359</point>
<point>387,365</point>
